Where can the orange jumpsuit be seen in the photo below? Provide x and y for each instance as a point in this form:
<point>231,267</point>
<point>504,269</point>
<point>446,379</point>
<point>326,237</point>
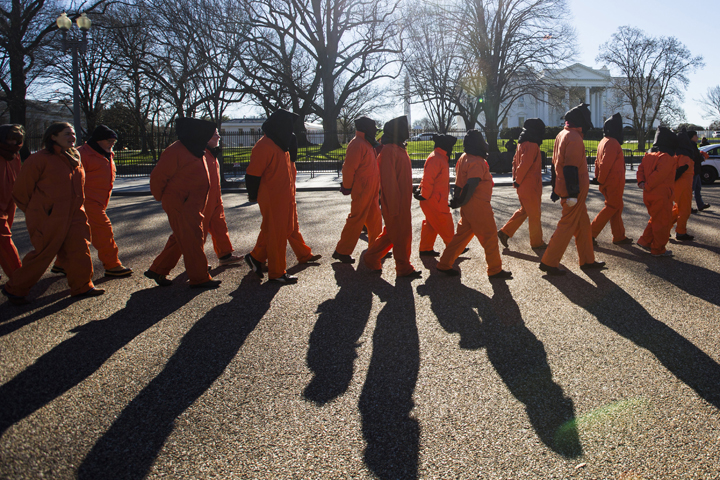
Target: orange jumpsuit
<point>276,199</point>
<point>683,195</point>
<point>180,180</point>
<point>569,150</point>
<point>9,258</point>
<point>360,173</point>
<point>49,189</point>
<point>396,200</point>
<point>434,188</point>
<point>476,216</point>
<point>527,172</point>
<point>610,172</point>
<point>657,170</point>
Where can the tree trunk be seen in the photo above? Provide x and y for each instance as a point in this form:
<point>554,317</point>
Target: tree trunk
<point>17,104</point>
<point>330,137</point>
<point>641,139</point>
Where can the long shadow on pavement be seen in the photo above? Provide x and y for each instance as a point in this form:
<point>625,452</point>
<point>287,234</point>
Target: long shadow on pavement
<point>131,445</point>
<point>391,434</point>
<point>619,311</point>
<point>78,357</point>
<point>334,340</point>
<point>514,351</point>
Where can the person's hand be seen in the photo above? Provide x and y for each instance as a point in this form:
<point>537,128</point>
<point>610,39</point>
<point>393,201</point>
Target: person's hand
<point>516,185</point>
<point>571,201</point>
<point>641,185</point>
<point>345,191</point>
<point>453,204</point>
<point>418,196</point>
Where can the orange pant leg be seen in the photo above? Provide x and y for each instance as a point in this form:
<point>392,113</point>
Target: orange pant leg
<point>378,250</point>
<point>276,227</point>
<point>9,258</point>
<point>456,246</point>
<point>574,222</point>
<point>74,255</point>
<point>478,220</point>
<point>216,225</point>
<point>398,236</point>
<point>188,232</point>
<point>168,258</point>
<point>102,234</point>
<point>682,208</point>
<point>364,210</point>
<point>530,208</point>
<point>612,212</point>
<point>657,232</point>
<point>297,242</point>
<point>436,223</point>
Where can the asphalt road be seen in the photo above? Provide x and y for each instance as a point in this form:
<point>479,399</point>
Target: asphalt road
<point>349,374</point>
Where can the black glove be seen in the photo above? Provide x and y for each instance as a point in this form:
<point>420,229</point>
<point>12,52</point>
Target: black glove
<point>453,204</point>
<point>680,171</point>
<point>516,185</point>
<point>554,196</point>
<point>572,181</point>
<point>418,196</point>
<point>252,184</point>
<point>345,191</point>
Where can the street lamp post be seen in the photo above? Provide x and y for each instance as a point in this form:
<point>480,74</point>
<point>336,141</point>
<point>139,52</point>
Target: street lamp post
<point>78,45</point>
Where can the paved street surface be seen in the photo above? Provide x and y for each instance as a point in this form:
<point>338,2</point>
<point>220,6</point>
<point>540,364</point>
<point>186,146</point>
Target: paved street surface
<point>352,374</point>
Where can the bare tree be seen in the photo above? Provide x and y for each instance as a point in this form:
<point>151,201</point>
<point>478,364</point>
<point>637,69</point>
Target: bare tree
<point>362,102</point>
<point>653,73</point>
<point>26,27</point>
<point>510,43</point>
<point>348,44</point>
<point>711,103</point>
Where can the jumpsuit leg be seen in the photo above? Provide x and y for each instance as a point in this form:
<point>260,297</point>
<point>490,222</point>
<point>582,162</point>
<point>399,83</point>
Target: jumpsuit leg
<point>168,258</point>
<point>272,241</point>
<point>102,235</point>
<point>9,257</point>
<point>216,226</point>
<point>456,246</point>
<point>364,210</point>
<point>375,253</point>
<point>573,223</point>
<point>188,232</point>
<point>74,255</point>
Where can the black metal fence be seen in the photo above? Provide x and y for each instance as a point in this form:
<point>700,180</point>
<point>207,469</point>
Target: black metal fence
<point>136,156</point>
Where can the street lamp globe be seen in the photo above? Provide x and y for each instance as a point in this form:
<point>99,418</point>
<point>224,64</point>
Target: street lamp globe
<point>84,22</point>
<point>63,22</point>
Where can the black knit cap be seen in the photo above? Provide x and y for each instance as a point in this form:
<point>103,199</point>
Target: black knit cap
<point>279,128</point>
<point>194,134</point>
<point>103,132</point>
<point>665,141</point>
<point>580,117</point>
<point>684,145</point>
<point>367,126</point>
<point>396,131</point>
<point>474,143</point>
<point>613,128</point>
<point>533,131</point>
<point>446,142</point>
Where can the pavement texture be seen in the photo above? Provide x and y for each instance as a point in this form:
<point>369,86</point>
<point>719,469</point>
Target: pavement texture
<point>354,374</point>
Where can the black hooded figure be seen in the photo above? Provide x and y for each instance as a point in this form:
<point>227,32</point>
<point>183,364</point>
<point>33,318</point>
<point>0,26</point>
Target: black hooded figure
<point>194,134</point>
<point>474,144</point>
<point>579,117</point>
<point>613,128</point>
<point>396,132</point>
<point>368,127</point>
<point>533,131</point>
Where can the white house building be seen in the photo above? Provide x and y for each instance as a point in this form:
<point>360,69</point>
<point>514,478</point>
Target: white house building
<point>251,129</point>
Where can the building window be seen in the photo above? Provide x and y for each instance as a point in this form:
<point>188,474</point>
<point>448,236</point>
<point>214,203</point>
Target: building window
<point>521,121</point>
<point>521,101</point>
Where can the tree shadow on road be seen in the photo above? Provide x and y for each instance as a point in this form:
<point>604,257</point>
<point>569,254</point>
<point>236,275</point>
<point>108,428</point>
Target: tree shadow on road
<point>391,434</point>
<point>619,311</point>
<point>334,340</point>
<point>515,352</point>
<point>78,357</point>
<point>130,446</point>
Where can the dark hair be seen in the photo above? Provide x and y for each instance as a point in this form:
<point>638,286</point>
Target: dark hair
<point>13,132</point>
<point>54,129</point>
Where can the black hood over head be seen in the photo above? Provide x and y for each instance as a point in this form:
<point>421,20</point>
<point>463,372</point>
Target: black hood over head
<point>533,131</point>
<point>475,144</point>
<point>579,117</point>
<point>367,126</point>
<point>396,131</point>
<point>665,141</point>
<point>684,144</point>
<point>446,142</point>
<point>279,128</point>
<point>293,150</point>
<point>194,134</point>
<point>613,128</point>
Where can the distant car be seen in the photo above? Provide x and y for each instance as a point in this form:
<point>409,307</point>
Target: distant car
<point>711,166</point>
<point>716,134</point>
<point>423,137</point>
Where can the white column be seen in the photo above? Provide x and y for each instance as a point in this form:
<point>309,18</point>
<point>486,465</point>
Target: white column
<point>587,94</point>
<point>567,100</point>
<point>545,115</point>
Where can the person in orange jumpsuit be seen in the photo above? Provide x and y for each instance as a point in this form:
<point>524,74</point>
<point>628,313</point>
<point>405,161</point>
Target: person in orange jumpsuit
<point>396,199</point>
<point>97,159</point>
<point>683,186</point>
<point>571,184</point>
<point>270,180</point>
<point>433,195</point>
<point>11,141</point>
<point>527,180</point>
<point>361,180</point>
<point>610,174</point>
<point>472,194</point>
<point>656,177</point>
<point>49,189</point>
<point>181,181</point>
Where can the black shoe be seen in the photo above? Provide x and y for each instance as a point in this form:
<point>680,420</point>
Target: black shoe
<point>501,275</point>
<point>624,241</point>
<point>552,270</point>
<point>208,284</point>
<point>93,292</point>
<point>414,274</point>
<point>429,253</point>
<point>467,249</point>
<point>15,299</point>
<point>121,271</point>
<point>595,244</point>
<point>313,258</point>
<point>591,266</point>
<point>161,280</point>
<point>450,272</point>
<point>684,237</point>
<point>285,279</point>
<point>503,238</point>
<point>60,270</point>
<point>254,265</point>
<point>342,257</point>
<point>693,210</point>
<point>704,207</point>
